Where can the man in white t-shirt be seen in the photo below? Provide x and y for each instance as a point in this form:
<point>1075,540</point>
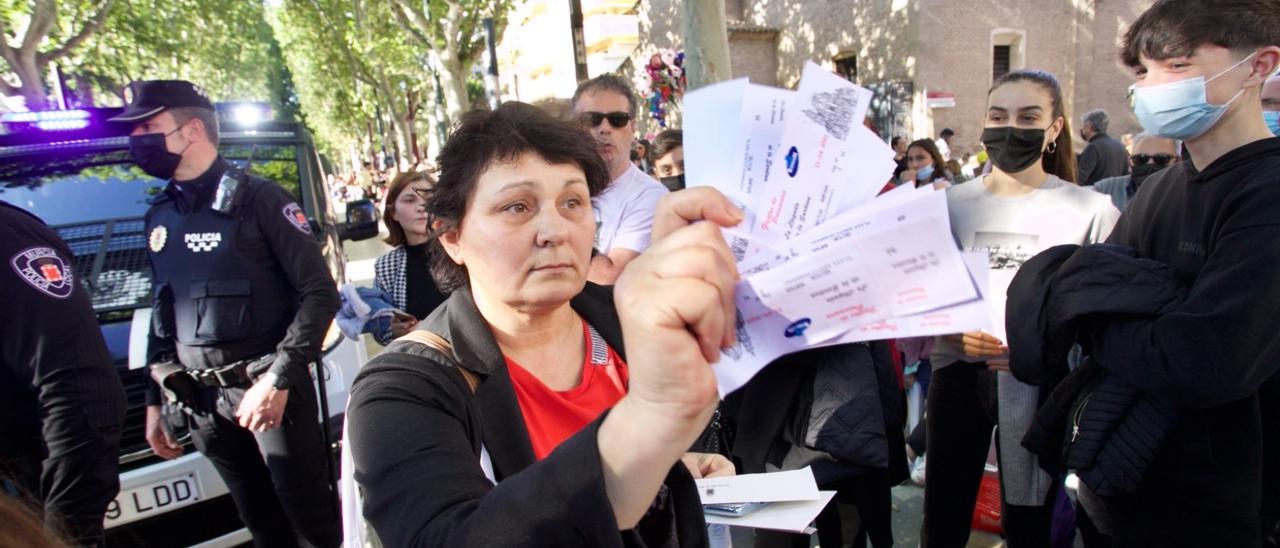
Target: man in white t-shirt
<point>944,143</point>
<point>606,108</point>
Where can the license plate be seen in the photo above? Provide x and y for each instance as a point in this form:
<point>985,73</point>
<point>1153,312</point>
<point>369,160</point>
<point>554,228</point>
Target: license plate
<point>154,498</point>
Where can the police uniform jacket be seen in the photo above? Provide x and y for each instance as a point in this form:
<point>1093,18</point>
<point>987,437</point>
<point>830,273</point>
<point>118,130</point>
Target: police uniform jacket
<point>236,285</point>
<point>61,401</point>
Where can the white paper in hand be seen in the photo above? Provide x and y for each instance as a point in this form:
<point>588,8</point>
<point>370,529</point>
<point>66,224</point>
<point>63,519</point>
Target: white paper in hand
<point>794,517</point>
<point>770,487</point>
<point>732,131</point>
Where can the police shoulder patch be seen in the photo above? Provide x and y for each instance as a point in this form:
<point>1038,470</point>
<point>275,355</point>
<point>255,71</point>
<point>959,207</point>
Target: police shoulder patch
<point>297,217</point>
<point>43,269</point>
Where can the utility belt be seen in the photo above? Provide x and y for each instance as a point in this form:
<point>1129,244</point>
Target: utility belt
<point>181,385</point>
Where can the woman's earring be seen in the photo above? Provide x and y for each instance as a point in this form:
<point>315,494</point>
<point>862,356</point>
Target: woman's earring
<point>1053,147</point>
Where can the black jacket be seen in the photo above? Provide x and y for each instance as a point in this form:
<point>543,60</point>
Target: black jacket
<point>1103,157</point>
<point>416,432</point>
<point>1112,431</point>
<point>267,234</point>
<point>61,402</point>
<point>1219,231</point>
<point>863,432</point>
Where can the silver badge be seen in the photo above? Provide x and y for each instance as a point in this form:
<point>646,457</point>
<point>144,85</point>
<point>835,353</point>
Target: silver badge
<point>159,235</point>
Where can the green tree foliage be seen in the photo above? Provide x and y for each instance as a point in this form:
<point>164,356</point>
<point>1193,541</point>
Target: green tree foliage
<point>226,46</point>
<point>362,74</point>
<point>453,33</point>
<point>355,70</point>
<point>223,45</point>
<point>37,33</point>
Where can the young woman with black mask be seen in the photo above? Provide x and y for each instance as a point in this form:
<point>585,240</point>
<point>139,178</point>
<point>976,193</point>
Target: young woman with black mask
<point>1026,204</point>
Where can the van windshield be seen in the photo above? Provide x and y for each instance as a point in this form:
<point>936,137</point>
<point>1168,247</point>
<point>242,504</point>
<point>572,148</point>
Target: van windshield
<point>96,200</point>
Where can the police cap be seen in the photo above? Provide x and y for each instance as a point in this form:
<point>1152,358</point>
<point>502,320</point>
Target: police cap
<point>147,98</point>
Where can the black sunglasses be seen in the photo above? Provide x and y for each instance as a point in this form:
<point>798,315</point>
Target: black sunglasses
<point>1160,160</point>
<point>618,120</point>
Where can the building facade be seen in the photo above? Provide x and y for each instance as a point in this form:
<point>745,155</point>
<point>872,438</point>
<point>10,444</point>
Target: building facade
<point>930,62</point>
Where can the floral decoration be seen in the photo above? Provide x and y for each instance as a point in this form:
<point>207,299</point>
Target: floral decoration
<point>662,81</point>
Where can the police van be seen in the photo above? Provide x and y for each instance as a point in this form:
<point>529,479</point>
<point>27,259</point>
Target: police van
<point>72,169</point>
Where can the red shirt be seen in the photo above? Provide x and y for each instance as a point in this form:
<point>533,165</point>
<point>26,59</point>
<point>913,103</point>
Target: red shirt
<point>552,416</point>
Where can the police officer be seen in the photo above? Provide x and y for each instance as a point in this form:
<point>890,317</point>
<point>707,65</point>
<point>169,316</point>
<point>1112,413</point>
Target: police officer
<point>241,304</point>
<point>61,402</point>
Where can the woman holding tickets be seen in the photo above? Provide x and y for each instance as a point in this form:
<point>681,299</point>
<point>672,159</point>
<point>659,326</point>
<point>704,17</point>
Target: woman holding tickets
<point>550,417</point>
<point>1027,203</point>
<point>404,272</point>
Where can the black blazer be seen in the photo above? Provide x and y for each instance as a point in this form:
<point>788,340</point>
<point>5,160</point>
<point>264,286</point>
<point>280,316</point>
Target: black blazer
<point>416,431</point>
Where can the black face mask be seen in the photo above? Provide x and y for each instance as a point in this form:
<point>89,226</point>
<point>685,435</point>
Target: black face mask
<point>674,182</point>
<point>1140,173</point>
<point>1013,149</point>
<point>152,156</point>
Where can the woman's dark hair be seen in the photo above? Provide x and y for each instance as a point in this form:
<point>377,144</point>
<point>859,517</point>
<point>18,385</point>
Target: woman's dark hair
<point>395,232</point>
<point>483,138</point>
<point>939,166</point>
<point>1060,159</point>
<point>20,525</point>
<point>895,140</point>
<point>665,142</point>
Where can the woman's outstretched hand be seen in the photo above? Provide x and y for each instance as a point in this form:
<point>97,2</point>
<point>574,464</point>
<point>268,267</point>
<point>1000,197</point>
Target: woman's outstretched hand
<point>676,305</point>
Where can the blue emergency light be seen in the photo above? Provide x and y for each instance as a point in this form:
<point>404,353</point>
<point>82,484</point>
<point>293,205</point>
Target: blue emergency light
<point>50,120</point>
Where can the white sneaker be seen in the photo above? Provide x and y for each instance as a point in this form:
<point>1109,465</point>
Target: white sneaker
<point>917,471</point>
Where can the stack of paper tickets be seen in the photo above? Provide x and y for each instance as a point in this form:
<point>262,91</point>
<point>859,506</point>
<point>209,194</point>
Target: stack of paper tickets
<point>824,260</point>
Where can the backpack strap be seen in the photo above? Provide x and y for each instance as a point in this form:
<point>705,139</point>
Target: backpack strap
<point>438,343</point>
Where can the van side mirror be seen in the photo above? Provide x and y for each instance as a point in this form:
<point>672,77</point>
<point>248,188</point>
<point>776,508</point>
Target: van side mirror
<point>362,221</point>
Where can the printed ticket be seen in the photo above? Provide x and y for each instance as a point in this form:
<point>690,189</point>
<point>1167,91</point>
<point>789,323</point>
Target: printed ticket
<point>827,160</point>
<point>824,258</point>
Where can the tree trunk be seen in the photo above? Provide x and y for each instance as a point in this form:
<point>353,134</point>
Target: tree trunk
<point>434,123</point>
<point>373,145</point>
<point>706,42</point>
<point>453,82</point>
<point>31,81</point>
<point>396,146</point>
<point>415,153</point>
<point>404,127</point>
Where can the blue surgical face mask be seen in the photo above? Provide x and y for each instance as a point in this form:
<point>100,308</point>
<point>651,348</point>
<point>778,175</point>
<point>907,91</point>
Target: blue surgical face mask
<point>924,173</point>
<point>1180,110</point>
<point>1272,118</point>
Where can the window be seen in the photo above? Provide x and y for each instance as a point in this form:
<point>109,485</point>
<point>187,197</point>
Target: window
<point>1000,56</point>
<point>733,9</point>
<point>66,189</point>
<point>95,200</point>
<point>275,162</point>
<point>847,67</point>
<point>1008,51</point>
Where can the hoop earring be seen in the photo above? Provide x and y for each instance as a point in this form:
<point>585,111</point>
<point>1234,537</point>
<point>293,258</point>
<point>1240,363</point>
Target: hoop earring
<point>1053,148</point>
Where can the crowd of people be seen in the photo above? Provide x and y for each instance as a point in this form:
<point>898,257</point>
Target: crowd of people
<point>1024,194</point>
<point>565,299</point>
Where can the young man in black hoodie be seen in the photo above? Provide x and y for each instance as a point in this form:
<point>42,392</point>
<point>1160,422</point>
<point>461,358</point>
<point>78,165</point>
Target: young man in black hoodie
<point>1200,66</point>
